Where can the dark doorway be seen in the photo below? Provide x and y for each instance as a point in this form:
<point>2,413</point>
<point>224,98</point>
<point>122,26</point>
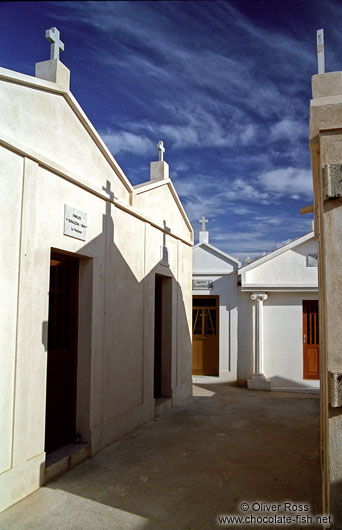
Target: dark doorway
<point>62,352</point>
<point>162,337</point>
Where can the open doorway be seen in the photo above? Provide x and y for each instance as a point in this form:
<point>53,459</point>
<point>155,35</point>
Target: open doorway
<point>310,339</point>
<point>62,352</point>
<point>162,337</point>
<point>205,336</point>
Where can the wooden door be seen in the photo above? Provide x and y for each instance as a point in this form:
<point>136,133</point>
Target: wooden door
<point>310,339</point>
<point>62,352</point>
<point>205,337</point>
<point>158,319</point>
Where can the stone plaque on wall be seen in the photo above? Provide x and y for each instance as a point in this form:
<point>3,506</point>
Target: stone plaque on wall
<point>75,223</point>
<point>202,284</point>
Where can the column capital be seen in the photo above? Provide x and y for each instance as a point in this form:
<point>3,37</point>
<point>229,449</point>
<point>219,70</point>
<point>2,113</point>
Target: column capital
<point>259,297</point>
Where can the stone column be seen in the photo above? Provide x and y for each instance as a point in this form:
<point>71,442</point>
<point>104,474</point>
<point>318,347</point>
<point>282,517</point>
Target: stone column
<point>259,381</point>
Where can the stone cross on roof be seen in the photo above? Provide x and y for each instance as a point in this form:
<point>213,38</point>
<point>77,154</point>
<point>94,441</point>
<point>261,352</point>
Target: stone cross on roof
<point>52,35</point>
<point>161,149</point>
<point>203,221</point>
<point>320,51</point>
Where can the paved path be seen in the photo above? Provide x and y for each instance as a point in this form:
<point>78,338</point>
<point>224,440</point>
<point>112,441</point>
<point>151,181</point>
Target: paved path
<point>221,447</point>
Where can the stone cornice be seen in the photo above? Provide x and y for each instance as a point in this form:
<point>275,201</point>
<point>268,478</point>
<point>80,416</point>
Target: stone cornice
<point>279,288</point>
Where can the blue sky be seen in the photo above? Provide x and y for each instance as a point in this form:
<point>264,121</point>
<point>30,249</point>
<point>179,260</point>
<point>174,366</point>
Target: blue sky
<point>225,85</point>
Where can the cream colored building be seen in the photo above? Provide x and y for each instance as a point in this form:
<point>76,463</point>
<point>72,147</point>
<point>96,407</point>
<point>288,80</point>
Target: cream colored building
<point>278,319</point>
<point>215,312</point>
<point>95,284</point>
<point>257,325</point>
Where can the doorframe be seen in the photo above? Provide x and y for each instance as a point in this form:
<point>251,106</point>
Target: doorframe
<point>311,378</point>
<point>217,306</point>
<point>55,254</point>
<point>166,335</point>
<point>85,281</point>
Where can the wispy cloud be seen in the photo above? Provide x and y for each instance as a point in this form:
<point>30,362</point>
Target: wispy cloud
<point>288,181</point>
<point>242,190</point>
<point>233,112</point>
<point>288,129</point>
<point>126,141</point>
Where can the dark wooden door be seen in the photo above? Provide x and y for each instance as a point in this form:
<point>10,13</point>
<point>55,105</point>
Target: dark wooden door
<point>205,336</point>
<point>62,352</point>
<point>158,306</point>
<point>310,339</point>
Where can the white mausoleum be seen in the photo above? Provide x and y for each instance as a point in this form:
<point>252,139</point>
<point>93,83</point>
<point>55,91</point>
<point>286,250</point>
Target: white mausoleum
<point>257,325</point>
<point>278,319</point>
<point>215,314</point>
<point>95,284</point>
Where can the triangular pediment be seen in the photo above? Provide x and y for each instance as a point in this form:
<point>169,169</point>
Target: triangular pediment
<point>208,259</point>
<point>294,264</point>
<point>160,197</point>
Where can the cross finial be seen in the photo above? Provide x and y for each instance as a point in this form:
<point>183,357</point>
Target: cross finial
<point>161,150</point>
<point>203,221</point>
<point>53,35</point>
<point>320,51</point>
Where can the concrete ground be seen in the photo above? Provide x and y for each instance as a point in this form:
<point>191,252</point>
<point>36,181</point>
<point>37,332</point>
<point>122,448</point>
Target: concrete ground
<point>196,461</point>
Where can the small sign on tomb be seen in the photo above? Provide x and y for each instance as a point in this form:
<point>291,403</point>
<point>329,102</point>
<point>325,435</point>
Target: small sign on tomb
<point>75,223</point>
<point>202,284</point>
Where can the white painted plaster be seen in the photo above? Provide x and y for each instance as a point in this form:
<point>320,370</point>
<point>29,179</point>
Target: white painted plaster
<point>159,170</point>
<point>53,157</point>
<point>283,339</point>
<point>211,264</point>
<point>11,175</point>
<point>285,281</point>
<point>287,269</point>
<point>49,108</point>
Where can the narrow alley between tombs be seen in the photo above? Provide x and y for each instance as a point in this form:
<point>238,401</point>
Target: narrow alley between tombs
<point>224,446</point>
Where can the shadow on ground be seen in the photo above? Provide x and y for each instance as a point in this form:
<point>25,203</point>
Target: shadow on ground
<point>223,446</point>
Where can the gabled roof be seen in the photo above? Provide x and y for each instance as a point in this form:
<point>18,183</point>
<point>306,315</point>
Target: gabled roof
<point>217,251</point>
<point>48,86</point>
<point>277,252</point>
<point>153,184</point>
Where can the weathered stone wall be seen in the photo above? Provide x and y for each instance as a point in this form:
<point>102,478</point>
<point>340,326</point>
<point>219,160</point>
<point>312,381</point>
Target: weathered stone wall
<point>326,149</point>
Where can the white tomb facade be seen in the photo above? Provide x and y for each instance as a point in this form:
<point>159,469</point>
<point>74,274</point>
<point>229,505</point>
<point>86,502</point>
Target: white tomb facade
<point>263,311</point>
<point>55,171</point>
<point>272,294</point>
<point>215,275</point>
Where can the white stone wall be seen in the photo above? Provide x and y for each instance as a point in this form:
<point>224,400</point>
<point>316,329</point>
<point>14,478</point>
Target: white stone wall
<point>214,262</point>
<point>53,115</point>
<point>289,268</point>
<point>49,157</point>
<point>207,260</point>
<point>283,339</point>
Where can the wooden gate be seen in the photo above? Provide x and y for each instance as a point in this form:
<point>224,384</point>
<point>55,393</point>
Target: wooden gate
<point>310,339</point>
<point>205,336</point>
